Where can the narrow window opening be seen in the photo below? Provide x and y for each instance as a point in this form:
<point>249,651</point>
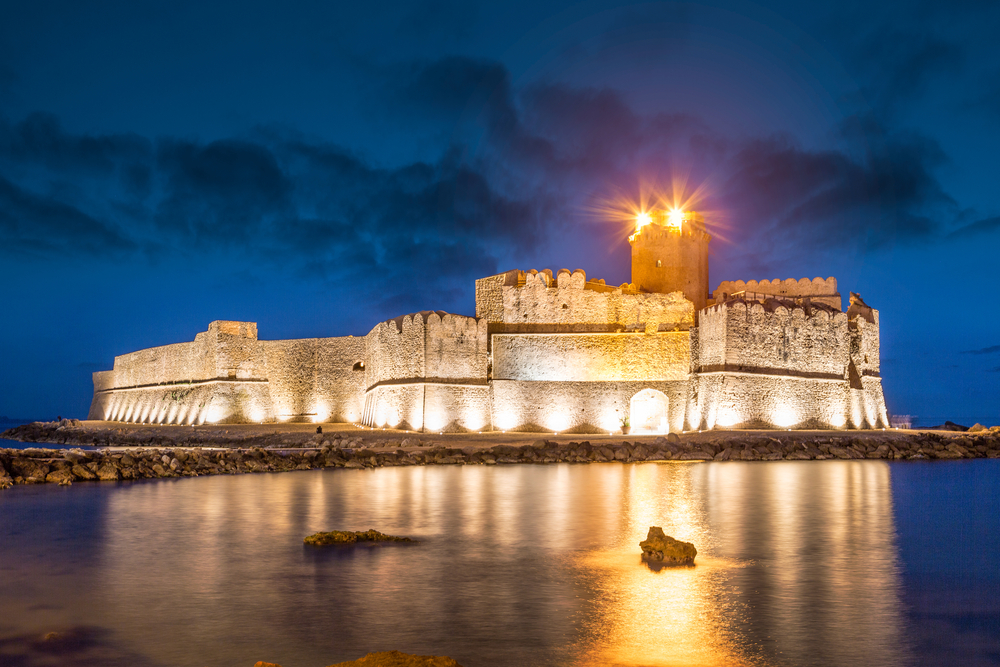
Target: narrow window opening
<point>360,366</point>
<point>659,264</point>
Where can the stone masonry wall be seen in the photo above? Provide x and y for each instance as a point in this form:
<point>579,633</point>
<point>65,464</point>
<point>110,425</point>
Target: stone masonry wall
<point>818,289</point>
<point>764,365</point>
<point>427,370</point>
<point>316,379</point>
<point>591,357</point>
<point>219,377</point>
<point>569,299</point>
<point>577,407</point>
<point>755,336</point>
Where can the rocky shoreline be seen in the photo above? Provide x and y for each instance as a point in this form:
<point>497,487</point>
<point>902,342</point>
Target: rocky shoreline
<point>147,454</point>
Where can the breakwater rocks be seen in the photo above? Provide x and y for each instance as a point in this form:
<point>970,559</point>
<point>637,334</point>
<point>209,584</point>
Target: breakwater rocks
<point>350,450</point>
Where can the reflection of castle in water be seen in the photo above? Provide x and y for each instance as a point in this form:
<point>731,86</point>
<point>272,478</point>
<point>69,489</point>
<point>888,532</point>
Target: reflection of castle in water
<point>544,353</point>
<point>797,563</point>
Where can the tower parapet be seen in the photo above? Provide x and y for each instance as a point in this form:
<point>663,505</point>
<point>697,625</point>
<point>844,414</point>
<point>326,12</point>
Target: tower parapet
<point>670,254</point>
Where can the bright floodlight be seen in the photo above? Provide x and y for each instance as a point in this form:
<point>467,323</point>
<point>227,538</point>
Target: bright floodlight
<point>676,217</point>
<point>642,220</point>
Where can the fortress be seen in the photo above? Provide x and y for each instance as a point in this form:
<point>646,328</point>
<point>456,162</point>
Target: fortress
<point>545,352</point>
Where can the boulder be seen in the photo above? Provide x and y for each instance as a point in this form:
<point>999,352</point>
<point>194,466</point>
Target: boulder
<point>63,476</point>
<point>399,659</point>
<point>352,537</point>
<point>107,472</point>
<point>664,549</point>
<point>976,428</point>
<point>80,472</point>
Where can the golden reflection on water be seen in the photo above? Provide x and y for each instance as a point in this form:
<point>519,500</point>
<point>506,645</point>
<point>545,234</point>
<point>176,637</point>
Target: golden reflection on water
<point>673,616</point>
<point>796,564</point>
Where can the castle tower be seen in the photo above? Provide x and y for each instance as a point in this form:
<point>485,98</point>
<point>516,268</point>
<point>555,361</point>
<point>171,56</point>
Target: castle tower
<point>670,254</point>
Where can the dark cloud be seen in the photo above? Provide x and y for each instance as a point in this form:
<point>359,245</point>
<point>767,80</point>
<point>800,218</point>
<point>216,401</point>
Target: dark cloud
<point>40,140</point>
<point>992,349</point>
<point>453,88</point>
<point>980,227</point>
<point>813,198</point>
<point>225,191</point>
<point>901,63</point>
<point>325,212</point>
<point>39,225</point>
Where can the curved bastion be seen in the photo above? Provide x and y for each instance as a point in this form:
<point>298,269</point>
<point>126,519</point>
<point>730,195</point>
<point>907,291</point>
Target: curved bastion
<point>545,352</point>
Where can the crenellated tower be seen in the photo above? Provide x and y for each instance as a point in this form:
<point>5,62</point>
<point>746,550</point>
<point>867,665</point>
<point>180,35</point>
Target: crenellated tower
<point>670,254</point>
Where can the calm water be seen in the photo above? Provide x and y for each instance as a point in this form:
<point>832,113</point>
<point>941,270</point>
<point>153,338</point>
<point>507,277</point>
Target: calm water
<point>800,563</point>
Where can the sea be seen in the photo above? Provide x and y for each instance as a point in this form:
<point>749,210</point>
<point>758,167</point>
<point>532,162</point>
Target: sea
<point>799,563</point>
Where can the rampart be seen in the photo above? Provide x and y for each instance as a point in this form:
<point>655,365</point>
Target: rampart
<point>773,364</point>
<point>219,377</point>
<point>316,379</point>
<point>428,371</point>
<point>549,353</point>
<point>817,290</point>
<point>535,301</point>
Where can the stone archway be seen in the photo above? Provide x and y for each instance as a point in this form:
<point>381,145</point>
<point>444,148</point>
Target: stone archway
<point>648,412</point>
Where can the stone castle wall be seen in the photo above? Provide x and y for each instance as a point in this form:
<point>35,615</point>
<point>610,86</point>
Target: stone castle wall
<point>818,290</point>
<point>522,299</point>
<point>219,377</point>
<point>593,357</point>
<point>427,370</point>
<point>766,365</point>
<point>577,407</point>
<point>547,353</point>
<point>316,379</point>
<point>226,375</point>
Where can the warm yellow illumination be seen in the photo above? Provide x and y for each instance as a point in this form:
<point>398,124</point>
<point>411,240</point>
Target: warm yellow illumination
<point>675,218</point>
<point>785,416</point>
<point>728,417</point>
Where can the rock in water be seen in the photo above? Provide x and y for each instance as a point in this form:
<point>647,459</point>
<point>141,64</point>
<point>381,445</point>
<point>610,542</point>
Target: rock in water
<point>352,537</point>
<point>399,659</point>
<point>665,549</point>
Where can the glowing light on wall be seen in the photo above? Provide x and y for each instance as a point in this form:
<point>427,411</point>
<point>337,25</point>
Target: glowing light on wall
<point>215,414</point>
<point>435,421</point>
<point>506,421</point>
<point>838,420</point>
<point>784,416</point>
<point>473,419</point>
<point>728,416</point>
<point>558,421</point>
<point>648,412</point>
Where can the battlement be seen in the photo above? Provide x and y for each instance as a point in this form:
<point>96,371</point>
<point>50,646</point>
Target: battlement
<point>783,310</point>
<point>817,290</point>
<point>568,299</point>
<point>232,328</point>
<point>765,303</point>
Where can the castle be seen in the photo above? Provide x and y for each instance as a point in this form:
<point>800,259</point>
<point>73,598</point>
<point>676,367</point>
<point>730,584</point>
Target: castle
<point>545,352</point>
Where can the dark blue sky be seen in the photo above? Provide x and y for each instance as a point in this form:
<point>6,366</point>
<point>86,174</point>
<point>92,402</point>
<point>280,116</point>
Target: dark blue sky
<point>317,167</point>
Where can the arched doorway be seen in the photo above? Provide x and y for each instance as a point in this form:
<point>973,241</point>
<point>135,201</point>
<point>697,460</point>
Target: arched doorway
<point>648,412</point>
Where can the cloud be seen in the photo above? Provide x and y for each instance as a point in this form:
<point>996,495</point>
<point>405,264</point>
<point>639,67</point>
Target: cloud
<point>992,349</point>
<point>828,198</point>
<point>321,211</point>
<point>980,227</point>
<point>449,89</point>
<point>43,226</point>
<point>39,140</point>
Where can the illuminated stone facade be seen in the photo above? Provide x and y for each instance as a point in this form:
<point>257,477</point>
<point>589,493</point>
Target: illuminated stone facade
<point>546,353</point>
